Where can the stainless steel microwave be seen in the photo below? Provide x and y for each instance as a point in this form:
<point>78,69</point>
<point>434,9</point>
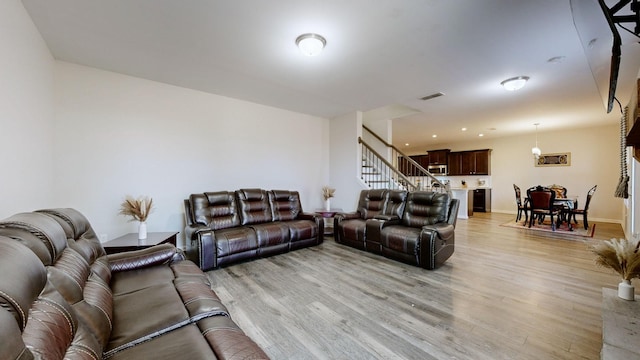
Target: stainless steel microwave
<point>438,169</point>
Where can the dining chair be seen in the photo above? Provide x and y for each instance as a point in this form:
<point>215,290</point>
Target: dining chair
<point>584,212</point>
<point>522,206</point>
<point>541,205</point>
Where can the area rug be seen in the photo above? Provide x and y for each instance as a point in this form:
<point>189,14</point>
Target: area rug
<point>578,229</point>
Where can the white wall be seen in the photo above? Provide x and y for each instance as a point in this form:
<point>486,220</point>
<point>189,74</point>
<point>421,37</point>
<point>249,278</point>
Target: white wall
<point>594,160</point>
<point>117,135</point>
<point>26,113</point>
<point>346,161</point>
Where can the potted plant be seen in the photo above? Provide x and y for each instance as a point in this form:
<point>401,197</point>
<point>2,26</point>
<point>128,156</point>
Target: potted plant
<point>623,257</point>
<point>138,210</point>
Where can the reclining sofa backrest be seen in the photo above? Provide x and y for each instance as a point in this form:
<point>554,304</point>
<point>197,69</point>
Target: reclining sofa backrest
<point>227,209</point>
<point>372,203</point>
<point>254,206</point>
<point>396,201</point>
<point>425,208</point>
<point>285,205</point>
<point>75,282</point>
<point>217,210</point>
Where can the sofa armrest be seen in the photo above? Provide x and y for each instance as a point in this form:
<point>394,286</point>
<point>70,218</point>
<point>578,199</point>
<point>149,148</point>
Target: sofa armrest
<point>347,216</point>
<point>436,244</point>
<point>318,219</point>
<point>143,258</point>
<point>444,231</point>
<point>190,231</point>
<point>202,249</point>
<point>388,218</point>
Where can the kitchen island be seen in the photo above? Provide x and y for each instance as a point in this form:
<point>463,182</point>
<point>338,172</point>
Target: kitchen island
<point>465,196</point>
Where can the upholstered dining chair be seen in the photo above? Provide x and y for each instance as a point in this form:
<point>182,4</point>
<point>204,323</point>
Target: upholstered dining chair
<point>541,204</point>
<point>584,211</point>
<point>522,206</point>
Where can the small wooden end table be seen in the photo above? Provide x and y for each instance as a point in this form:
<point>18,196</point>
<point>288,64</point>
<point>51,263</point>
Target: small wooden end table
<point>328,225</point>
<point>130,241</point>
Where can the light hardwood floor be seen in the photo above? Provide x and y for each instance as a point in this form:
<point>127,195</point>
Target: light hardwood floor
<point>504,294</point>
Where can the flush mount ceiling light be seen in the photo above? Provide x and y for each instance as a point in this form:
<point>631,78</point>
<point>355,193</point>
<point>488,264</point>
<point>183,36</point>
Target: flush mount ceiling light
<point>311,44</point>
<point>515,83</point>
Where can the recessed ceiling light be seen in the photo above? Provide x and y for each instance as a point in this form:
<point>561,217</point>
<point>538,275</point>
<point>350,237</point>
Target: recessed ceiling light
<point>464,129</point>
<point>406,144</point>
<point>434,136</point>
<point>481,134</point>
<point>311,44</point>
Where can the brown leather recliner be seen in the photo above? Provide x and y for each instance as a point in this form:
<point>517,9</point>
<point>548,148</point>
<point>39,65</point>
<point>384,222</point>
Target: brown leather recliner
<point>425,234</point>
<point>415,228</point>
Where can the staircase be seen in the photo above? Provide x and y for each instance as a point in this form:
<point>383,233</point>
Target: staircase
<point>394,171</point>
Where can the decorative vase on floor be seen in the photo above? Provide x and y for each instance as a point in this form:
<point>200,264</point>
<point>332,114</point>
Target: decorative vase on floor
<point>626,290</point>
<point>327,205</point>
<point>142,230</point>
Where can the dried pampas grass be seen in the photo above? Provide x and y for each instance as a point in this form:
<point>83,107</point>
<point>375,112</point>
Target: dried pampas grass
<point>327,192</point>
<point>138,209</point>
<point>620,255</point>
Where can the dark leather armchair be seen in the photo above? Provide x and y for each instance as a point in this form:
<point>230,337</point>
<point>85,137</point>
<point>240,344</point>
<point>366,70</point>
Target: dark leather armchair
<point>424,235</point>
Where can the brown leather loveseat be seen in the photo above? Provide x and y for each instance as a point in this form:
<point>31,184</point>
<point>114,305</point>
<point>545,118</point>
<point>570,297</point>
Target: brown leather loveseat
<point>226,227</point>
<point>417,227</point>
<point>61,297</point>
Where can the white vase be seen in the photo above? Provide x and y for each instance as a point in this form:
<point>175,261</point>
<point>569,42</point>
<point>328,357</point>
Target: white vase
<point>327,205</point>
<point>626,290</point>
<point>142,230</point>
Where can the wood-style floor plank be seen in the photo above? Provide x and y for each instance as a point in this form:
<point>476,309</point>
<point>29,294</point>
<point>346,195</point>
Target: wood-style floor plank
<point>504,294</point>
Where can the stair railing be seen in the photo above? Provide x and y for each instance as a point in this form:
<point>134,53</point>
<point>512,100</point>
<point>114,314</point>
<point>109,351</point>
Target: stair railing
<point>412,175</point>
<point>378,173</point>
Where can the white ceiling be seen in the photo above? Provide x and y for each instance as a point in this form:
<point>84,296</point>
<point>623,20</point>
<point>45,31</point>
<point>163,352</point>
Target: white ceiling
<point>379,55</point>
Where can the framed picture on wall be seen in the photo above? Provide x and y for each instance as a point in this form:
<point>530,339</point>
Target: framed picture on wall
<point>556,159</point>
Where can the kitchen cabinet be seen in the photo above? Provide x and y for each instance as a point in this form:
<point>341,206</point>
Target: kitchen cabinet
<point>455,163</point>
<point>474,162</point>
<point>438,157</point>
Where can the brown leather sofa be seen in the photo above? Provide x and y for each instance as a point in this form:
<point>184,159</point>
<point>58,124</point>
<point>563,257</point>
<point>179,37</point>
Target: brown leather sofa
<point>226,227</point>
<point>61,297</point>
<point>417,228</point>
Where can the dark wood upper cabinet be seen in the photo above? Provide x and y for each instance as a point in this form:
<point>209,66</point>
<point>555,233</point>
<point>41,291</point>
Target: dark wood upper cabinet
<point>475,162</point>
<point>438,157</point>
<point>455,163</point>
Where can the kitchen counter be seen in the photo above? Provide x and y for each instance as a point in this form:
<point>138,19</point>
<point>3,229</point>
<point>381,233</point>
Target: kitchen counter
<point>465,196</point>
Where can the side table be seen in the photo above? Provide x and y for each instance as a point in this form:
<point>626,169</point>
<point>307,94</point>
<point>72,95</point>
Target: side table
<point>130,241</point>
<point>328,224</point>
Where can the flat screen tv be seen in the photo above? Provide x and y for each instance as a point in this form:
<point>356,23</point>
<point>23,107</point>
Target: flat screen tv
<point>614,61</point>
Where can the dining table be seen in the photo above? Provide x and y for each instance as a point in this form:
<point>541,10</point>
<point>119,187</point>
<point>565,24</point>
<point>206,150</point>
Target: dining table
<point>565,205</point>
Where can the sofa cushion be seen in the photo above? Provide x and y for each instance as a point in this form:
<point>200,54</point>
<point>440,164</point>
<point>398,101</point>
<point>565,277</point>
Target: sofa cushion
<point>235,240</point>
<point>271,234</point>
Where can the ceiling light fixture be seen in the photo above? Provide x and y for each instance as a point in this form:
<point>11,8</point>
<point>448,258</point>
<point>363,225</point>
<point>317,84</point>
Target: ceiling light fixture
<point>311,44</point>
<point>536,150</point>
<point>515,83</point>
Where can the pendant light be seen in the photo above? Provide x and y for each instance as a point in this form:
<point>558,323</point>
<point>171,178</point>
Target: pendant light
<point>536,150</point>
